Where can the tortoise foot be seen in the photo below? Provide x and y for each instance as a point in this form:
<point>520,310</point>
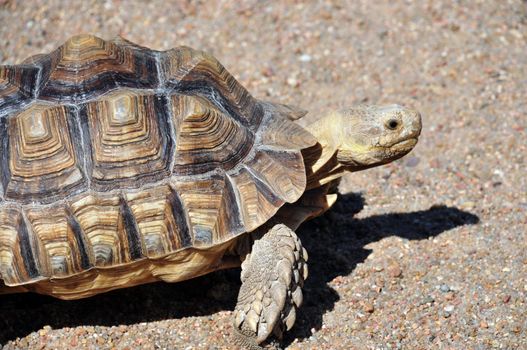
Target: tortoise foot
<point>272,277</point>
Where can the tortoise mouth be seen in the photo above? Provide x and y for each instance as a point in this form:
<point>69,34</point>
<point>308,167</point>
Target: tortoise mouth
<point>405,144</point>
<point>400,149</point>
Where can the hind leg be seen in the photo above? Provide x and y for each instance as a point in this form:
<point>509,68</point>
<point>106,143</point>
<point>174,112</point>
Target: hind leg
<point>272,277</point>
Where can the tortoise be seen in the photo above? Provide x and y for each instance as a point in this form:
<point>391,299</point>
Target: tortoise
<point>121,165</point>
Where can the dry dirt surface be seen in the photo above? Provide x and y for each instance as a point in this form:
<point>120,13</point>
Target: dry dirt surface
<point>429,252</point>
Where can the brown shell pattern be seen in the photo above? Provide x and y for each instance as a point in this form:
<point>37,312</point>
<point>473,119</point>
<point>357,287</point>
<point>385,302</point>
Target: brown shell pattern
<point>112,154</point>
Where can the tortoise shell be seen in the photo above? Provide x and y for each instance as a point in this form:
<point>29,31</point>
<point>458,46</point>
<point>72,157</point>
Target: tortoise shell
<point>121,165</point>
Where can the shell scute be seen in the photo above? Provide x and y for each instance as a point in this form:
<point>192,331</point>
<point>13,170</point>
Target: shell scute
<point>257,202</point>
<point>212,210</point>
<point>86,66</point>
<point>102,222</point>
<point>17,262</point>
<point>281,172</point>
<point>126,138</point>
<point>160,220</point>
<point>207,138</point>
<point>191,71</point>
<point>58,243</point>
<point>40,157</point>
<point>17,86</point>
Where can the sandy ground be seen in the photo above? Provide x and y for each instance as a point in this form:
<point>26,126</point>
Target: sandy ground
<point>427,253</point>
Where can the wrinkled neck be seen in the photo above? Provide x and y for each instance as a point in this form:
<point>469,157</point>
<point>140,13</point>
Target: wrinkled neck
<point>322,165</point>
<point>321,161</point>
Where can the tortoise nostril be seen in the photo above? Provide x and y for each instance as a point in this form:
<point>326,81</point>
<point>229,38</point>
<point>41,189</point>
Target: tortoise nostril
<point>392,124</point>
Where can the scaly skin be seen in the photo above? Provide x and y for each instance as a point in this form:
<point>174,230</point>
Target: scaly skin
<point>272,277</point>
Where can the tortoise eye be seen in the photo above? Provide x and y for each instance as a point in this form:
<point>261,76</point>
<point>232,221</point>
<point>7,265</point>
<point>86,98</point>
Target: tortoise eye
<point>392,124</point>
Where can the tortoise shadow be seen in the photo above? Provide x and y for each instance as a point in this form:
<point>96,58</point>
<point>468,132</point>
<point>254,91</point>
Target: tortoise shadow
<point>335,243</point>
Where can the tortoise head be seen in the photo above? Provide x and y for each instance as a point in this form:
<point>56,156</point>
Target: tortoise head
<point>368,136</point>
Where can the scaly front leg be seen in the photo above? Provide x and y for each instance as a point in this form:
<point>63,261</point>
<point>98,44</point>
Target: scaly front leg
<point>272,277</point>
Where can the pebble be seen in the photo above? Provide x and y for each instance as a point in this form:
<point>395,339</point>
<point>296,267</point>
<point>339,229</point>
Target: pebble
<point>444,288</point>
<point>291,81</point>
<point>449,308</point>
<point>428,300</point>
<point>305,58</point>
<point>394,270</point>
<point>368,307</point>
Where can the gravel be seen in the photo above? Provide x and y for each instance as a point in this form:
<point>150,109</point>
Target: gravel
<point>429,252</point>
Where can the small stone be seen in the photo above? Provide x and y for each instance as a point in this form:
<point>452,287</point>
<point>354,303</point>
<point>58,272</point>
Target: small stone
<point>305,58</point>
<point>516,328</point>
<point>468,205</point>
<point>449,308</point>
<point>483,324</point>
<point>356,325</point>
<point>291,81</point>
<point>444,288</point>
<point>431,338</point>
<point>368,307</point>
<point>394,270</point>
<point>44,331</point>
<point>506,298</point>
<point>428,300</point>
